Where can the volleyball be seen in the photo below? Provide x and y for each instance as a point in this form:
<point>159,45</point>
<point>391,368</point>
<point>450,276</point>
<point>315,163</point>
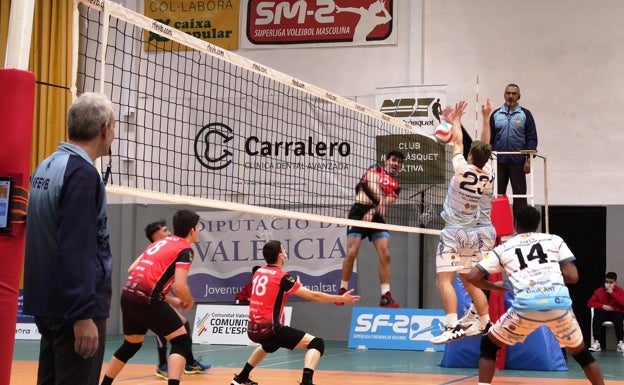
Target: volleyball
<point>444,132</point>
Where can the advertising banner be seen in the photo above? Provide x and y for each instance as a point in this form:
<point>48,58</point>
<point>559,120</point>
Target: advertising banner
<point>395,329</point>
<point>319,22</point>
<point>213,21</point>
<point>420,106</point>
<point>225,325</point>
<point>230,245</point>
<point>25,328</point>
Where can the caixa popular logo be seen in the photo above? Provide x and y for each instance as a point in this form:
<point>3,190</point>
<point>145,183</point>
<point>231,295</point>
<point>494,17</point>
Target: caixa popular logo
<point>214,146</point>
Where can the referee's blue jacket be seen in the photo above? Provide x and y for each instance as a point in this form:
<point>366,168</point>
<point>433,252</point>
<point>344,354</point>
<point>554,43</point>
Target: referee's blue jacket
<point>68,262</point>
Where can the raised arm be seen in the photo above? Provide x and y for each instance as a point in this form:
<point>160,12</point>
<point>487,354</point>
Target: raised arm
<point>486,110</point>
<point>458,136</point>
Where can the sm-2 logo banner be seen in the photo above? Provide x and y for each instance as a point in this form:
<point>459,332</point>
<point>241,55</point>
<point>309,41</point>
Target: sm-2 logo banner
<point>230,245</point>
<point>400,329</point>
<point>327,22</point>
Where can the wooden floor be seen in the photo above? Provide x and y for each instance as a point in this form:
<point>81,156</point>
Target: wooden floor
<point>339,366</point>
<point>141,374</point>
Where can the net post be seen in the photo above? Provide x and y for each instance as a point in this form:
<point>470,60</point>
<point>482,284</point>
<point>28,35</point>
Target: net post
<point>19,34</point>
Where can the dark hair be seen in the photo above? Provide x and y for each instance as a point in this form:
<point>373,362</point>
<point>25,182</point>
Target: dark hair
<point>153,227</point>
<point>513,85</point>
<point>87,114</point>
<point>395,153</point>
<point>611,275</point>
<point>271,251</point>
<point>183,222</point>
<point>253,269</point>
<point>527,218</point>
<point>481,153</point>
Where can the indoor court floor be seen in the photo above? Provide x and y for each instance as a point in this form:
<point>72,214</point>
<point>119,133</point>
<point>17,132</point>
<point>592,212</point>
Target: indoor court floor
<point>339,366</point>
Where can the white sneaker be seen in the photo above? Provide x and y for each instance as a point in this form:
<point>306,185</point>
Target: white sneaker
<point>450,334</point>
<point>620,347</point>
<point>469,319</point>
<point>595,347</point>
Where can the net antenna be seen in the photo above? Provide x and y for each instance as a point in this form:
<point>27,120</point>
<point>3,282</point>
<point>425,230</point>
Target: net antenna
<point>477,108</point>
<point>203,126</point>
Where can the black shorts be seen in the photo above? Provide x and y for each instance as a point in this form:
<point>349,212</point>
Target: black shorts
<point>285,337</point>
<point>158,317</point>
<point>357,212</point>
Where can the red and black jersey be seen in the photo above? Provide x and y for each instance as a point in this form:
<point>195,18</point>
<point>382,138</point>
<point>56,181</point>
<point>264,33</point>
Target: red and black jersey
<point>271,288</point>
<point>151,279</point>
<point>389,185</point>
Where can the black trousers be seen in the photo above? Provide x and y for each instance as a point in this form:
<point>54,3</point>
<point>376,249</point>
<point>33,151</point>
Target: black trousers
<point>601,316</point>
<point>59,364</point>
<point>513,173</point>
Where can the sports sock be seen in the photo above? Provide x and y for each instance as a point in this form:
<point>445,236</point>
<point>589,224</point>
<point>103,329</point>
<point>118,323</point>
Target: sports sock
<point>451,319</point>
<point>344,284</point>
<point>385,287</point>
<point>162,351</point>
<point>244,374</point>
<point>307,376</point>
<point>106,380</point>
<point>484,319</point>
<point>190,360</point>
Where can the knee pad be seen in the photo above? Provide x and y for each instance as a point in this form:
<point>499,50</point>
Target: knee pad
<point>584,358</point>
<point>126,351</point>
<point>182,345</point>
<point>318,344</point>
<point>270,348</point>
<point>488,348</point>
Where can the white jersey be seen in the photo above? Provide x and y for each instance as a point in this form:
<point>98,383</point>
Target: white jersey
<point>532,261</point>
<point>485,204</point>
<point>461,206</point>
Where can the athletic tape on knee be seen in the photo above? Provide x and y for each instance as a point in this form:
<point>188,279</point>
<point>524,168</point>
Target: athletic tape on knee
<point>488,348</point>
<point>127,350</point>
<point>182,345</point>
<point>584,358</point>
<point>318,344</point>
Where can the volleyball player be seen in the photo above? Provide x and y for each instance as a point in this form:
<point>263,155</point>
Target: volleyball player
<point>163,267</point>
<point>377,190</point>
<point>155,231</point>
<point>271,288</point>
<point>538,266</point>
<point>458,248</point>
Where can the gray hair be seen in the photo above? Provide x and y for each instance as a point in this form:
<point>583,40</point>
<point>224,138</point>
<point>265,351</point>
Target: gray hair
<point>87,114</point>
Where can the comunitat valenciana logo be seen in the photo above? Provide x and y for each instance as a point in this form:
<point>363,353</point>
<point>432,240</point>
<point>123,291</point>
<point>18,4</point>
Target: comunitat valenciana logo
<point>215,147</point>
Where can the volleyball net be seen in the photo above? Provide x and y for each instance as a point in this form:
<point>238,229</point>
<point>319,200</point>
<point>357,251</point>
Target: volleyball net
<point>204,126</point>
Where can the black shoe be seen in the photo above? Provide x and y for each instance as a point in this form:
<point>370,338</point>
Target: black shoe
<point>242,381</point>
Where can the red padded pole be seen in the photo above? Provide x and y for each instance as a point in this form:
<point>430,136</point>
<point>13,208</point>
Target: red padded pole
<point>17,101</point>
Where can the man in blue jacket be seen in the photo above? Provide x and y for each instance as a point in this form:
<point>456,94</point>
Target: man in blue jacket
<point>67,273</point>
<point>513,129</point>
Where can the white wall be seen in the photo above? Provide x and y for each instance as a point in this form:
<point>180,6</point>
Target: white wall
<point>566,55</point>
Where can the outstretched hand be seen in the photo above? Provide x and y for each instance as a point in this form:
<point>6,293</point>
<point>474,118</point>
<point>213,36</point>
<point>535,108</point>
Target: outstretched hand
<point>460,109</point>
<point>348,297</point>
<point>486,109</point>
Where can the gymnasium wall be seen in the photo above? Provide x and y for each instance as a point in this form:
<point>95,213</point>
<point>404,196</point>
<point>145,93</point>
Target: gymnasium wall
<point>566,56</point>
